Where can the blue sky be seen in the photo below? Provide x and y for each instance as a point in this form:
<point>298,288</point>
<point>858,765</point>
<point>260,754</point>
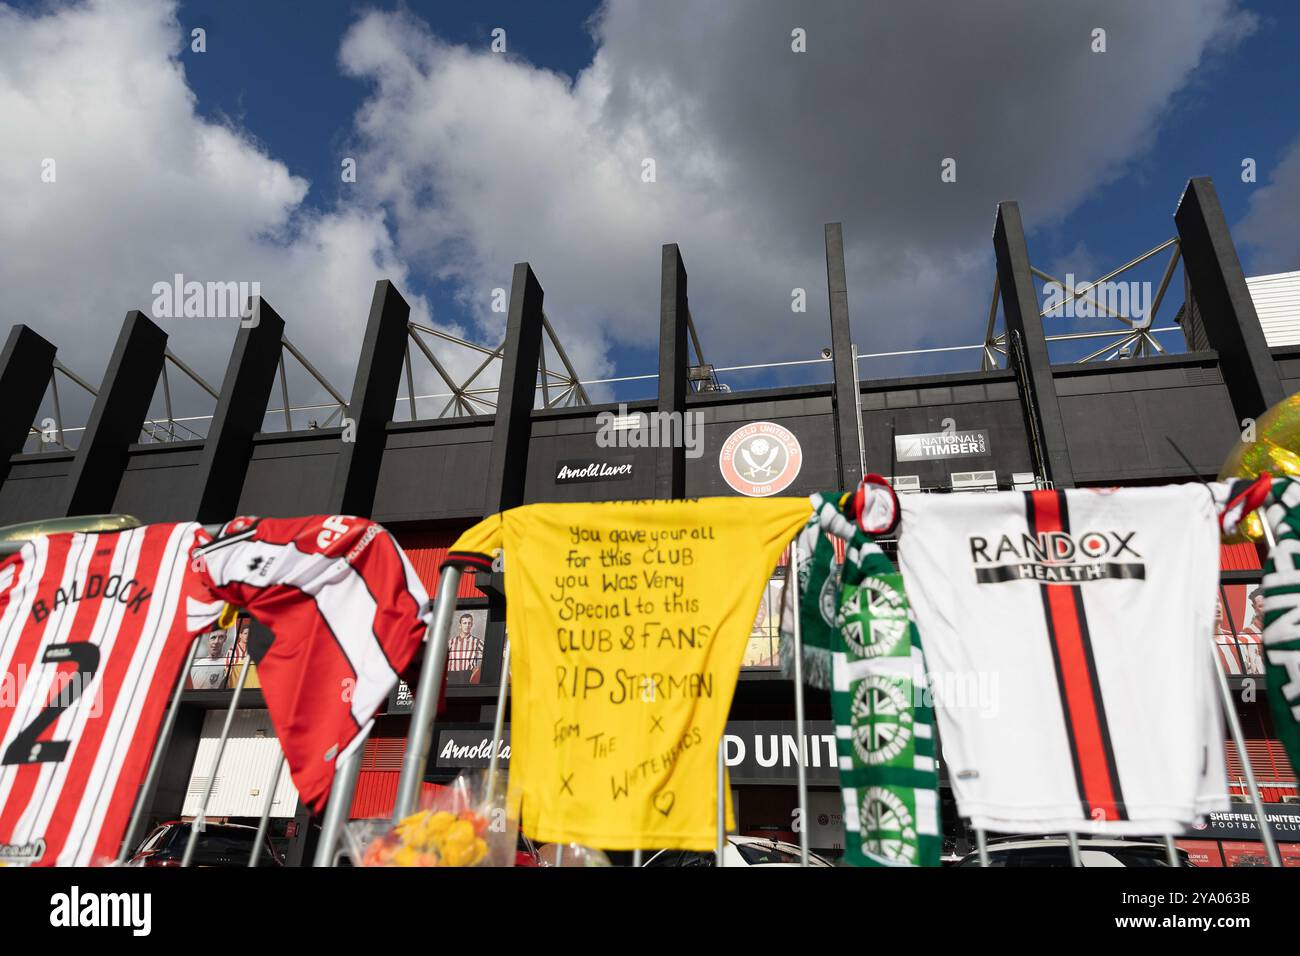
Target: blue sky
<point>301,107</point>
<point>1238,109</point>
<point>225,164</point>
<point>280,79</point>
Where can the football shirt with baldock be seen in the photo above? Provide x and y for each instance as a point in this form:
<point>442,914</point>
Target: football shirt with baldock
<point>94,629</point>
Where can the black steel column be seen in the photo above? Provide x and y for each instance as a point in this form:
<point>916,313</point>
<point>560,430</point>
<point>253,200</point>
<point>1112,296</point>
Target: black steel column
<point>370,409</point>
<point>245,391</point>
<point>512,432</point>
<point>847,452</point>
<point>26,365</point>
<point>1020,309</point>
<point>670,463</point>
<point>516,393</point>
<point>117,416</point>
<point>1224,302</point>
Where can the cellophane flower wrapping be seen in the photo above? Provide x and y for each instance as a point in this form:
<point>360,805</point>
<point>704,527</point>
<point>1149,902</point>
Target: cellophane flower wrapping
<point>465,824</point>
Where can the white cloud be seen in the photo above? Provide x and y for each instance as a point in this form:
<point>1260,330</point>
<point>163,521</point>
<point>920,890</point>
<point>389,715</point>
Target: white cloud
<point>147,188</point>
<point>1269,226</point>
<point>485,159</point>
<point>470,161</point>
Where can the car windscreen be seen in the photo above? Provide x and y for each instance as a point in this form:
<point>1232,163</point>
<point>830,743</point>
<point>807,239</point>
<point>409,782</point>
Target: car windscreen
<point>757,854</point>
<point>219,841</point>
<point>1142,855</point>
<point>156,840</point>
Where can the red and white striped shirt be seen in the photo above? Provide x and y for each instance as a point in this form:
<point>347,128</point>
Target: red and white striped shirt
<point>94,629</point>
<point>346,607</point>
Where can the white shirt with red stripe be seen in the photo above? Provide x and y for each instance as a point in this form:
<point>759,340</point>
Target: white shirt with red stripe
<point>94,630</point>
<point>1070,639</point>
<point>348,613</point>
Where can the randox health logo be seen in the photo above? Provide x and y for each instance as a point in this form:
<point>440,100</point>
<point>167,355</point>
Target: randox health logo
<point>1057,557</point>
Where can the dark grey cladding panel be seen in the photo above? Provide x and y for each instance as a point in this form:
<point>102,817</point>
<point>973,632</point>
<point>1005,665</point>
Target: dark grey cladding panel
<point>934,396</point>
<point>1141,378</point>
<point>581,425</point>
<point>1008,445</point>
<point>904,398</point>
<point>1121,435</point>
<point>976,393</point>
<point>546,452</point>
<point>938,393</point>
<point>158,484</point>
<point>1117,420</point>
<point>424,435</point>
<point>1083,385</point>
<point>34,488</point>
<point>290,476</point>
<point>1288,368</point>
<point>434,474</point>
<point>1103,430</point>
<point>772,410</point>
<point>816,435</point>
<point>1200,419</point>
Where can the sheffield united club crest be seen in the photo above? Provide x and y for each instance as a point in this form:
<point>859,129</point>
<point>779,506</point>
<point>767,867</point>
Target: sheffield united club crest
<point>760,459</point>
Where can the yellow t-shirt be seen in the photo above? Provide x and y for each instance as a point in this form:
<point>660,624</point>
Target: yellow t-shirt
<point>627,622</point>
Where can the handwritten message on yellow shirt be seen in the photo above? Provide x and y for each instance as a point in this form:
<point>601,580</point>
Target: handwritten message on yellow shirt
<point>627,625</point>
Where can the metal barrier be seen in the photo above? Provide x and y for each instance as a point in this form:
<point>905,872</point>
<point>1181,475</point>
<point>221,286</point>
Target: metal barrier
<point>428,690</point>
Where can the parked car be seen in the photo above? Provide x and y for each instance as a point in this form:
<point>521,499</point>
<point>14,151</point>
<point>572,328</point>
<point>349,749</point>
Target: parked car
<point>220,845</point>
<point>739,851</point>
<point>1055,851</point>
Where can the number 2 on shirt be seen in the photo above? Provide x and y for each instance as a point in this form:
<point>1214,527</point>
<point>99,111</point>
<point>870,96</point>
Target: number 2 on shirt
<point>25,748</point>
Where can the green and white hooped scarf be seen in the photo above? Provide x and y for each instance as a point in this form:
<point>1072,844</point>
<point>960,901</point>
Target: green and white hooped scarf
<point>1281,586</point>
<point>817,594</point>
<point>884,728</point>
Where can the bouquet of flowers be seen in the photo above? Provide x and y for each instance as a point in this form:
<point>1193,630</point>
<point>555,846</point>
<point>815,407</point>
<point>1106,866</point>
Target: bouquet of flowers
<point>460,825</point>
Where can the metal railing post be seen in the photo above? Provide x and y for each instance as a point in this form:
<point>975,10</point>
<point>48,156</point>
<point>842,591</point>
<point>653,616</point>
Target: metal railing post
<point>145,796</point>
<point>339,807</point>
<point>719,853</point>
<point>265,823</point>
<point>804,836</point>
<point>427,693</point>
<point>197,823</point>
<point>498,722</point>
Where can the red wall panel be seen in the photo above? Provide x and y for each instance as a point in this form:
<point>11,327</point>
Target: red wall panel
<point>427,550</point>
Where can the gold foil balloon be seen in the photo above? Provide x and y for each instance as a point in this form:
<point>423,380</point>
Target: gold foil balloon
<point>47,526</point>
<point>1276,450</point>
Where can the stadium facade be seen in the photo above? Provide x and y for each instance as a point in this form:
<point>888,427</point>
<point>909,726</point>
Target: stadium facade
<point>1020,421</point>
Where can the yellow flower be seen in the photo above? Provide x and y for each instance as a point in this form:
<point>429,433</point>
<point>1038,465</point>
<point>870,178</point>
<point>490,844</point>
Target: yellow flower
<point>440,821</point>
<point>457,855</point>
<point>460,833</point>
<point>409,828</point>
<point>406,856</point>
